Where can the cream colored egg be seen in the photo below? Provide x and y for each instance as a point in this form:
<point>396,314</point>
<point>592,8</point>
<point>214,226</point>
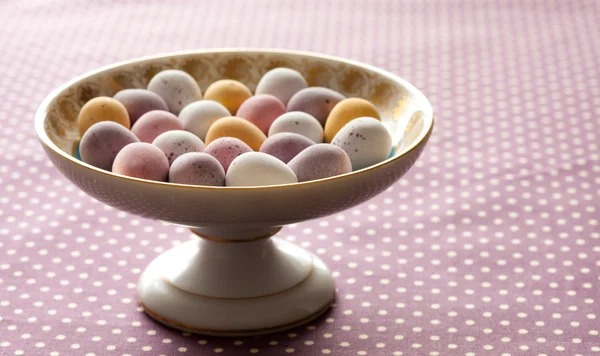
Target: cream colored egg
<point>365,140</point>
<point>258,169</point>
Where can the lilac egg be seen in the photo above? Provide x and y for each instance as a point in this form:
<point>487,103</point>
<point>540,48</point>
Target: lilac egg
<point>320,161</point>
<point>317,101</point>
<point>102,142</point>
<point>176,87</point>
<point>196,168</point>
<point>140,101</point>
<point>153,123</point>
<point>226,149</point>
<point>285,145</point>
<point>176,143</point>
<point>142,160</point>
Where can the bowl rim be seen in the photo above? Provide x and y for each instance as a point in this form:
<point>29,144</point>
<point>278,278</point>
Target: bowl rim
<point>42,113</point>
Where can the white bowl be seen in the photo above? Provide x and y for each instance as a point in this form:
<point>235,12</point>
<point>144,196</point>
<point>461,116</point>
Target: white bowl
<point>234,279</point>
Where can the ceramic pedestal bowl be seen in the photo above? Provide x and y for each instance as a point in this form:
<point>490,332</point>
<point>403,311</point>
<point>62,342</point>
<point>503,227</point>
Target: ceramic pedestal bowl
<point>236,278</point>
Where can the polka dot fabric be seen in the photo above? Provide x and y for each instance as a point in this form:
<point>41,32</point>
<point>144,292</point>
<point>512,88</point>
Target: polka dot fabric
<point>489,246</point>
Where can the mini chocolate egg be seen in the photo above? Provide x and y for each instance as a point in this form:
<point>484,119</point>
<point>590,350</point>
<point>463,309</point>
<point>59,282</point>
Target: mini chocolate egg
<point>226,149</point>
<point>282,83</point>
<point>199,115</point>
<point>345,111</point>
<point>100,109</point>
<point>365,140</point>
<point>153,123</point>
<point>142,160</point>
<point>228,92</point>
<point>102,142</point>
<point>196,168</point>
<point>285,145</point>
<point>261,110</point>
<point>239,128</point>
<point>320,161</point>
<point>176,87</point>
<point>139,101</point>
<point>258,169</point>
<point>177,142</point>
<point>298,122</point>
<point>317,101</point>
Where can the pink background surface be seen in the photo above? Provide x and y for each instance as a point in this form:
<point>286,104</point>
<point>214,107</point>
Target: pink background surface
<point>489,246</point>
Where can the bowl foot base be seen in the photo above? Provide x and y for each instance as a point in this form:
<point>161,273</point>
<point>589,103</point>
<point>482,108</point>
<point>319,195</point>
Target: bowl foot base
<point>252,301</point>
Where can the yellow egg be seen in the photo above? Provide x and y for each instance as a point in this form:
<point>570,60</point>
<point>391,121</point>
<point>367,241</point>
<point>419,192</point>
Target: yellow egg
<point>230,93</point>
<point>237,127</point>
<point>346,111</point>
<point>100,109</point>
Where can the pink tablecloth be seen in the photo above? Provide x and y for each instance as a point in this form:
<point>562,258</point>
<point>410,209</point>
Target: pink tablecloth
<point>489,246</point>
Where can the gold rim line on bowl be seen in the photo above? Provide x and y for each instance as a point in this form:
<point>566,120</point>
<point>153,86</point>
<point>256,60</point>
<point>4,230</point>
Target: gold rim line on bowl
<point>225,240</point>
<point>42,111</point>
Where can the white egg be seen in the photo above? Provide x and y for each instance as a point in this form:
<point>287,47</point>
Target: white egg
<point>365,140</point>
<point>258,169</point>
<point>300,123</point>
<point>282,83</point>
<point>176,87</point>
<point>198,116</point>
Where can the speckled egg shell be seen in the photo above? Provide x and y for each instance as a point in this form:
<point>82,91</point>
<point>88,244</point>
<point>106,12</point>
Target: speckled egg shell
<point>258,169</point>
<point>282,83</point>
<point>261,110</point>
<point>365,140</point>
<point>177,142</point>
<point>139,101</point>
<point>196,168</point>
<point>230,93</point>
<point>102,142</point>
<point>346,111</point>
<point>153,123</point>
<point>100,109</point>
<point>142,160</point>
<point>176,87</point>
<point>285,145</point>
<point>198,116</point>
<point>226,149</point>
<point>300,123</point>
<point>320,161</point>
<point>316,101</point>
<point>239,128</point>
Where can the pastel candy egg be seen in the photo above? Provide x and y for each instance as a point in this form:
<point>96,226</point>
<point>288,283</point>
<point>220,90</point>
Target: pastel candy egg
<point>228,92</point>
<point>316,101</point>
<point>100,109</point>
<point>282,83</point>
<point>298,122</point>
<point>258,169</point>
<point>346,111</point>
<point>198,116</point>
<point>153,123</point>
<point>285,145</point>
<point>102,142</point>
<point>261,110</point>
<point>176,87</point>
<point>142,160</point>
<point>177,142</point>
<point>365,140</point>
<point>196,168</point>
<point>226,149</point>
<point>239,128</point>
<point>139,101</point>
<point>320,161</point>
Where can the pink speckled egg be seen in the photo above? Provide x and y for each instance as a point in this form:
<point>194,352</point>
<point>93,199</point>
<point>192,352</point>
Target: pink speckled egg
<point>226,149</point>
<point>285,145</point>
<point>176,143</point>
<point>140,101</point>
<point>142,160</point>
<point>261,110</point>
<point>197,168</point>
<point>153,123</point>
<point>320,161</point>
<point>102,142</point>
